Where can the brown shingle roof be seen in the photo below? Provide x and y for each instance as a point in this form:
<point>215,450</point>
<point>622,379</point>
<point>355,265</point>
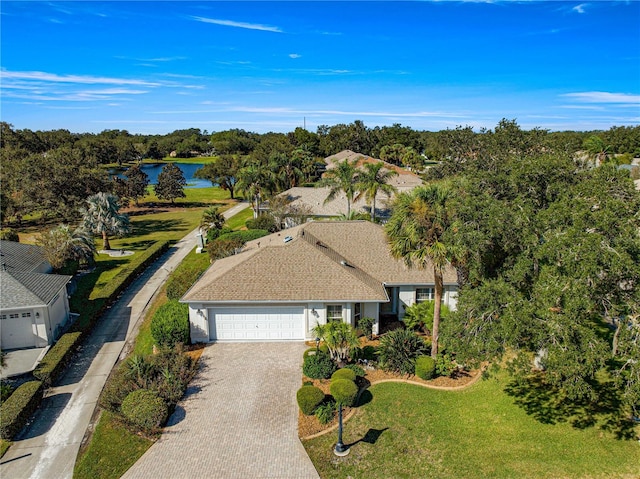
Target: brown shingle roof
<point>324,261</point>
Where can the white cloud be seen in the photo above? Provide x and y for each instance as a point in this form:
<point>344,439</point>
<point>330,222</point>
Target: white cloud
<point>294,55</point>
<point>231,23</point>
<point>603,97</point>
<point>78,79</point>
<point>579,8</point>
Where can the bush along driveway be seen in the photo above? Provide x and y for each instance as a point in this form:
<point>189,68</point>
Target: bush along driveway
<point>237,420</point>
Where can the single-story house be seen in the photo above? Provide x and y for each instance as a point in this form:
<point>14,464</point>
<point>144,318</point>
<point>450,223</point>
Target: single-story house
<point>34,305</point>
<point>282,285</point>
<point>312,200</point>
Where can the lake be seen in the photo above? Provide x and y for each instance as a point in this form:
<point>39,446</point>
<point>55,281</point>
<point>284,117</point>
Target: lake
<point>153,170</point>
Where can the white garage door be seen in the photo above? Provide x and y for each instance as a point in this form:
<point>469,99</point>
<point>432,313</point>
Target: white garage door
<point>17,332</point>
<point>256,323</point>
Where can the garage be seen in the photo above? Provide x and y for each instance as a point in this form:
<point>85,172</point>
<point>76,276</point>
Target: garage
<point>269,323</point>
<point>17,331</point>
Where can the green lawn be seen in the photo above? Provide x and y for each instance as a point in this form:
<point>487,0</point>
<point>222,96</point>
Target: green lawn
<point>112,451</point>
<point>196,197</point>
<point>237,221</point>
<point>407,431</point>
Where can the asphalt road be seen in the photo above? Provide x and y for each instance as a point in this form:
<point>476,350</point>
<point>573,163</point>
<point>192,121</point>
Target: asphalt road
<point>48,447</point>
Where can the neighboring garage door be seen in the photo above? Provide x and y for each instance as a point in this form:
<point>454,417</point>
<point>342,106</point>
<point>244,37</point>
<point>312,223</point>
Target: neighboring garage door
<point>17,332</point>
<point>256,323</point>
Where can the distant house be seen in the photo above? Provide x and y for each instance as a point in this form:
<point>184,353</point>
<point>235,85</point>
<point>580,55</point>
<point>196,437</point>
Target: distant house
<point>282,285</point>
<point>34,305</point>
<point>312,200</point>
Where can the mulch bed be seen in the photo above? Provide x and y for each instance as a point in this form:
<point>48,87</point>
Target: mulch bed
<point>309,425</point>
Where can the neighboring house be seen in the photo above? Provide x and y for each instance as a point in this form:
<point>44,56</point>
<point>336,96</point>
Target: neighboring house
<point>312,200</point>
<point>282,285</point>
<point>34,305</point>
<point>404,181</point>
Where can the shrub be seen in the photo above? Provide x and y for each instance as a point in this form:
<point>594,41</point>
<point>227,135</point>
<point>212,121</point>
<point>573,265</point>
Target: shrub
<point>262,222</point>
<point>5,391</point>
<point>309,398</point>
<point>17,409</point>
<point>325,412</point>
<point>7,234</point>
<point>340,337</point>
<point>365,325</point>
<point>312,351</point>
<point>57,358</point>
<point>145,409</point>
<point>318,366</point>
<point>399,349</point>
<point>181,280</point>
<point>425,367</point>
<point>214,233</point>
<point>219,248</point>
<point>368,353</point>
<point>118,387</point>
<point>344,391</point>
<point>344,373</point>
<point>445,365</point>
<point>356,369</point>
<point>170,324</point>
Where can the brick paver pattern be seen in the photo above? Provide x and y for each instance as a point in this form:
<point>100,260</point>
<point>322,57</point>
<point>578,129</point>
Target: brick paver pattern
<point>239,419</point>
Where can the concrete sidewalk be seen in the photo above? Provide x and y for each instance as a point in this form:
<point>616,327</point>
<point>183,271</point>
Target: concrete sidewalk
<point>48,447</point>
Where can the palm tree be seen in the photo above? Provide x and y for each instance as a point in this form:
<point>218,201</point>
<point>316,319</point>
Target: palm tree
<point>211,218</point>
<point>372,180</point>
<point>415,232</point>
<point>61,244</point>
<point>344,177</point>
<point>102,217</point>
<point>255,181</point>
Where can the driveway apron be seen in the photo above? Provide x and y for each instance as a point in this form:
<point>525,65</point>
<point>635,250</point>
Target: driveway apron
<point>239,418</point>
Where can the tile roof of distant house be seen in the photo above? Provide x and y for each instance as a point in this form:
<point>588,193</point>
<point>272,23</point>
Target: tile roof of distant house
<point>405,180</point>
<point>323,261</point>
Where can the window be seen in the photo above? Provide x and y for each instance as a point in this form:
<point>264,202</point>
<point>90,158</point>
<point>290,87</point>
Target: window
<point>357,312</point>
<point>3,316</point>
<point>424,294</point>
<point>26,315</point>
<point>334,312</point>
<point>14,316</point>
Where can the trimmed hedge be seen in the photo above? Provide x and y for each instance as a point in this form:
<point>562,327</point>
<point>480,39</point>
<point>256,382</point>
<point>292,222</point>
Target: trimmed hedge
<point>356,369</point>
<point>57,358</point>
<point>243,235</point>
<point>181,280</point>
<point>309,398</point>
<point>145,409</point>
<point>344,391</point>
<point>425,367</point>
<point>312,351</point>
<point>344,373</point>
<point>16,410</point>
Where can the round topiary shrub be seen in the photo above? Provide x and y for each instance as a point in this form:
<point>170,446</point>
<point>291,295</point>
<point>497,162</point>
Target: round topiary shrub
<point>425,367</point>
<point>344,373</point>
<point>170,324</point>
<point>356,369</point>
<point>311,351</point>
<point>309,398</point>
<point>344,391</point>
<point>318,366</point>
<point>145,409</point>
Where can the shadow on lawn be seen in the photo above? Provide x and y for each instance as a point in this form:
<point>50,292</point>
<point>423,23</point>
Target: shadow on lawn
<point>370,437</point>
<point>547,405</point>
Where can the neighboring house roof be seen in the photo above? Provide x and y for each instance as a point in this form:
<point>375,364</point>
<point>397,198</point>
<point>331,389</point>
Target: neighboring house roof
<point>323,261</point>
<point>23,290</point>
<point>313,200</point>
<point>21,257</point>
<point>404,181</point>
<point>21,286</point>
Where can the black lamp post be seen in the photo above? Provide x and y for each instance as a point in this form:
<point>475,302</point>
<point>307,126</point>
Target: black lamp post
<point>340,449</point>
<point>317,344</point>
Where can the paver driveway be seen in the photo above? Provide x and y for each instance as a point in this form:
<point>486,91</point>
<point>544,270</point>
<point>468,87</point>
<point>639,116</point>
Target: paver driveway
<point>239,419</point>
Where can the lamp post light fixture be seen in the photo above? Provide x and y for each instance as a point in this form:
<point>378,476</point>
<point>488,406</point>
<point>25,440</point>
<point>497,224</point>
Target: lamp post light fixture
<point>317,344</point>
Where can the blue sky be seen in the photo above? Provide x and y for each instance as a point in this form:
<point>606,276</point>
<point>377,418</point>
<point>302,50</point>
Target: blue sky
<point>154,67</point>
